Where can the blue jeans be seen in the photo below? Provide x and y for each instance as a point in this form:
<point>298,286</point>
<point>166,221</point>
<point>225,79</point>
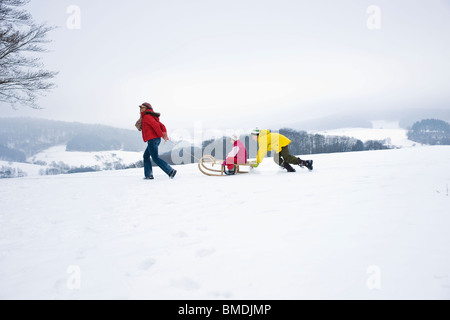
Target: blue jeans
<point>152,151</point>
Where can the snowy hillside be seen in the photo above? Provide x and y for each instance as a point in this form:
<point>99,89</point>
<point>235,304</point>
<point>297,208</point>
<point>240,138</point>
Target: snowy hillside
<point>381,130</point>
<point>362,225</point>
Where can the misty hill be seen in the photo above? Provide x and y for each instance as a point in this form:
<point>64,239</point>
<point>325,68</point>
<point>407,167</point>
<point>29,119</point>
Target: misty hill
<point>21,138</point>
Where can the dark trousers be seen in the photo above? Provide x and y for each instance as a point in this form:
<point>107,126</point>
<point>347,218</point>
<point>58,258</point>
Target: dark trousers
<point>286,156</point>
<point>152,151</point>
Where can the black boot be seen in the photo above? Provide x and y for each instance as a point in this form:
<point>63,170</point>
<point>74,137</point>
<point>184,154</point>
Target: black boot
<point>172,174</point>
<point>308,164</point>
<point>230,172</point>
<point>287,166</point>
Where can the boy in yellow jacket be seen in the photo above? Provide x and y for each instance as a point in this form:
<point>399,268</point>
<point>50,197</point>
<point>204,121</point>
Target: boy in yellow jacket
<point>268,141</point>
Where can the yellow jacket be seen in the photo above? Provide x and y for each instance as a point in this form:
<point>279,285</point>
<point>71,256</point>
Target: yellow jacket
<point>270,142</point>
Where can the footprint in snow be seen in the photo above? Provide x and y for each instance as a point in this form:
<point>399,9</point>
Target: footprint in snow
<point>147,264</point>
<point>205,252</point>
<point>184,283</point>
<point>180,234</point>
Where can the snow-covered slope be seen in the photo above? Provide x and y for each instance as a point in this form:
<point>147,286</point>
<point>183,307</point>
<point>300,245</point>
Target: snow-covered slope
<point>381,130</point>
<point>362,225</point>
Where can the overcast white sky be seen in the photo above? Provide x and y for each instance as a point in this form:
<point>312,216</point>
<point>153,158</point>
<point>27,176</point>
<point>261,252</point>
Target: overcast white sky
<point>242,62</point>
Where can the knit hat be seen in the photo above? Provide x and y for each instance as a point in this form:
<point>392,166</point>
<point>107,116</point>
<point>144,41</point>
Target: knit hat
<point>235,137</point>
<point>148,105</point>
<point>256,132</point>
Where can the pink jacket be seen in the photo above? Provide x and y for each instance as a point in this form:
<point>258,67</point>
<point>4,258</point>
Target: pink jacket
<point>237,155</point>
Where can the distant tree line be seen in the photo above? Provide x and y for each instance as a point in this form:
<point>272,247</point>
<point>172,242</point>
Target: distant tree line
<point>431,132</point>
<point>56,168</point>
<point>305,143</point>
<point>9,172</point>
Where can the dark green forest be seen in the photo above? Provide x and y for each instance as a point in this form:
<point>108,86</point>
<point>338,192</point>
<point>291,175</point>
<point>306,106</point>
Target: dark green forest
<point>431,132</point>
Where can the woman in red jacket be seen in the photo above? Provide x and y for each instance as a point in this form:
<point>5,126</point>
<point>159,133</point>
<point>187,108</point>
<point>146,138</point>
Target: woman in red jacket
<point>152,132</point>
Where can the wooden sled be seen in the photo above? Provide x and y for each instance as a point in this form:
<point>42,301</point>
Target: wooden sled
<point>211,167</point>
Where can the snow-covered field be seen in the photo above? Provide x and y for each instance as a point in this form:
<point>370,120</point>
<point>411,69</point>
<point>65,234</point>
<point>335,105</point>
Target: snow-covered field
<point>75,158</point>
<point>362,225</point>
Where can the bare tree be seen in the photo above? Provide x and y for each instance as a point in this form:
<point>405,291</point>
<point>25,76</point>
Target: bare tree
<point>22,78</point>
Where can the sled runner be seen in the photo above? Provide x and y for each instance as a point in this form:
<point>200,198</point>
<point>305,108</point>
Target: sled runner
<point>211,167</point>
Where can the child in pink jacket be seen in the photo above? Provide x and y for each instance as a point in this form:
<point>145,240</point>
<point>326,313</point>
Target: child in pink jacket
<point>237,155</point>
